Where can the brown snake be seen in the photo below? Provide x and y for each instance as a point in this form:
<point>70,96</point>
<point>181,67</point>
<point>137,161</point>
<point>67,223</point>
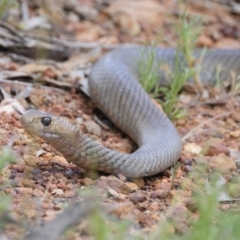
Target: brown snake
<point>114,86</point>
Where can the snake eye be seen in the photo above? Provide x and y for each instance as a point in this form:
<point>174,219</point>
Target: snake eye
<point>46,121</point>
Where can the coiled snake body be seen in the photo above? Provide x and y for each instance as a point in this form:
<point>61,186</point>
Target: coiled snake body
<point>114,86</point>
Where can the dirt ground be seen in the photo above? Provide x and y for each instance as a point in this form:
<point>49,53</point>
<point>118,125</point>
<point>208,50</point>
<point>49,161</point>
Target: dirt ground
<point>41,183</point>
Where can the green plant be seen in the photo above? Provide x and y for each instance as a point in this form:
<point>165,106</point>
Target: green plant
<point>148,71</point>
<point>209,221</point>
<point>174,171</point>
<point>5,158</point>
<point>5,5</point>
<point>185,66</point>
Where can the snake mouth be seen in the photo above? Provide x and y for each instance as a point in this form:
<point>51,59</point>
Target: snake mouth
<point>48,135</point>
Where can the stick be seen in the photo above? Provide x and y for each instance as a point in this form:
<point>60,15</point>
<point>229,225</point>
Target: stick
<point>53,229</point>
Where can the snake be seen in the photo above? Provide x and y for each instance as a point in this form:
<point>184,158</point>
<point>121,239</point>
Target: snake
<point>114,86</point>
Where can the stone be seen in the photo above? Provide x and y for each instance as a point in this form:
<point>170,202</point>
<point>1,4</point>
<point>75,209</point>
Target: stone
<point>137,198</point>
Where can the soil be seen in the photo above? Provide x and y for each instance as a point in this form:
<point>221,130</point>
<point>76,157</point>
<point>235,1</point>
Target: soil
<point>41,183</point>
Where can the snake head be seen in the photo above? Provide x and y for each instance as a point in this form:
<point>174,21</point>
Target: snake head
<point>46,125</point>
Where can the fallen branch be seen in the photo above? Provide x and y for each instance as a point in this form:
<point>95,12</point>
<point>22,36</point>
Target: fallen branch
<point>53,229</point>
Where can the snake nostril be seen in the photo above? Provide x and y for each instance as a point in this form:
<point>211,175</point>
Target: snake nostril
<point>46,121</point>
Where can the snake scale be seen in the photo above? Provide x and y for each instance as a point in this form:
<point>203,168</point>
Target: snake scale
<point>114,86</point>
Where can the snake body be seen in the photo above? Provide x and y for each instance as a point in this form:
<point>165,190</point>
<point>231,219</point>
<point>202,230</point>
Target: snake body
<point>115,88</point>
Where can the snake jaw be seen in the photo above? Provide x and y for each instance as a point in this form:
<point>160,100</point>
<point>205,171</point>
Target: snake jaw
<point>47,135</point>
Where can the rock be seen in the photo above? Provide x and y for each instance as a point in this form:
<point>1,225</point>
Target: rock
<point>215,149</point>
<point>27,182</point>
<point>58,192</point>
<point>143,205</point>
<point>150,11</point>
<point>93,128</point>
<point>177,213</point>
<point>49,72</point>
<point>154,195</point>
<point>236,116</point>
<point>235,134</point>
<point>58,175</point>
<point>146,221</point>
<point>46,173</point>
<point>193,148</point>
<point>6,172</point>
<point>37,192</point>
<point>137,198</point>
<point>116,184</point>
<point>19,168</point>
<point>188,162</point>
<point>30,160</point>
<point>153,207</point>
<point>47,156</point>
<point>39,187</point>
<point>204,41</point>
<point>166,185</point>
<point>73,17</point>
<point>123,209</point>
<point>79,120</point>
<point>59,160</point>
<point>160,194</point>
<point>112,192</point>
<point>132,186</point>
<point>231,123</point>
<point>69,194</point>
<point>127,23</point>
<point>124,146</point>
<point>86,181</point>
<point>229,31</point>
<point>216,36</point>
<point>192,205</point>
<point>139,182</point>
<point>181,122</point>
<point>226,42</point>
<point>90,32</point>
<point>61,185</point>
<point>24,190</point>
<point>122,177</point>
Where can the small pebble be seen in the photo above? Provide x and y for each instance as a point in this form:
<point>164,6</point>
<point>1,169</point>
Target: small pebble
<point>137,198</point>
<point>188,162</point>
<point>79,120</point>
<point>122,177</point>
<point>154,195</point>
<point>37,193</point>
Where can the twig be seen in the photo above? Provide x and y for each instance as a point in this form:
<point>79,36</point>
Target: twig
<point>71,216</point>
<point>192,132</point>
<point>79,44</point>
<point>212,5</point>
<point>53,229</point>
<point>29,84</point>
<point>12,30</point>
<point>24,10</point>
